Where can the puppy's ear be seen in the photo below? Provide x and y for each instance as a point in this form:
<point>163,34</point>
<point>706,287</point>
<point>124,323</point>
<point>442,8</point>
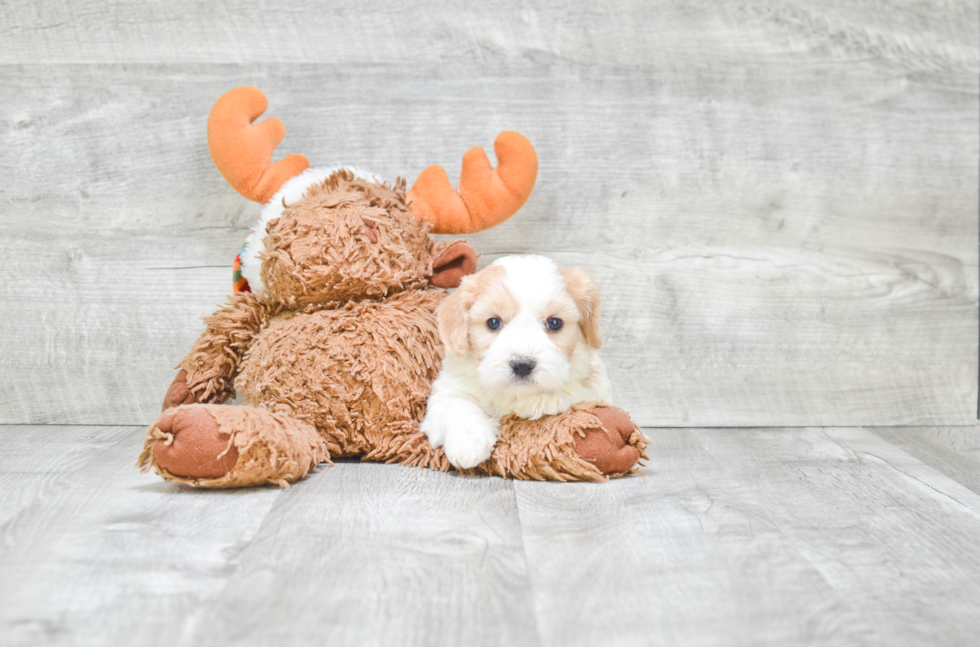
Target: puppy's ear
<point>454,323</point>
<point>586,296</point>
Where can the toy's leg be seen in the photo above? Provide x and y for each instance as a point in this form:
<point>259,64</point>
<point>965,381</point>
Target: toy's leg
<point>590,442</point>
<point>218,446</point>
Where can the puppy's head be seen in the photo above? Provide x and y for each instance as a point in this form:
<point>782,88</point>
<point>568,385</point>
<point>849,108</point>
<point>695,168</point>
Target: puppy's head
<point>525,319</point>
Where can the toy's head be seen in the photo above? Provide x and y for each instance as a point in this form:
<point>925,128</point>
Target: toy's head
<point>350,238</point>
<point>342,234</point>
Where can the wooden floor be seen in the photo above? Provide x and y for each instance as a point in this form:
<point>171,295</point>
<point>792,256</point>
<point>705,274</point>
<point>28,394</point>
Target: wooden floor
<point>834,536</point>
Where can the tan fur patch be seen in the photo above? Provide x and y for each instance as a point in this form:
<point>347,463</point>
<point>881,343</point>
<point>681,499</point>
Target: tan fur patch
<point>570,336</point>
<point>567,339</point>
<point>494,300</point>
<point>586,295</point>
<point>454,318</point>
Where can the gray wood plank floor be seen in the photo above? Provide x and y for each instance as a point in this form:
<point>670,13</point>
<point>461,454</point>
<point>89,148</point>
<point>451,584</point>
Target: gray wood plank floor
<point>794,536</point>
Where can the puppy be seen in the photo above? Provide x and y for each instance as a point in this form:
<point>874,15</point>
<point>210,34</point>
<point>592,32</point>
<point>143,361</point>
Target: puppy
<point>520,337</point>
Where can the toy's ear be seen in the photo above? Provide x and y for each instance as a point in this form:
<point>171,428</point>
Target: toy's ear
<point>454,321</point>
<point>486,196</point>
<point>586,296</point>
<point>453,261</point>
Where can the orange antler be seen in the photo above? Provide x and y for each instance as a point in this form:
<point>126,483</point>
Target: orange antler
<point>486,196</point>
<point>242,151</point>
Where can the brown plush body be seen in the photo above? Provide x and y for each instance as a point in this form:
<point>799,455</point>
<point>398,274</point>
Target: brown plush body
<point>335,355</point>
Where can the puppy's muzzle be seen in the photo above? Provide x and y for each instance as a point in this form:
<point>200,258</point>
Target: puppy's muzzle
<point>522,366</point>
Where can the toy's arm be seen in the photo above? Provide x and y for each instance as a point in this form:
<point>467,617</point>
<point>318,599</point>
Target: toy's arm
<point>208,371</point>
<point>592,441</point>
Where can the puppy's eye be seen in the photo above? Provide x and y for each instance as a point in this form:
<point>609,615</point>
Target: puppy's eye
<point>494,323</point>
<point>554,323</point>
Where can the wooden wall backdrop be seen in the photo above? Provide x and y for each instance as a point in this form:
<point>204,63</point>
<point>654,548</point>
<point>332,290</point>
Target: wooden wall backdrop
<point>779,200</point>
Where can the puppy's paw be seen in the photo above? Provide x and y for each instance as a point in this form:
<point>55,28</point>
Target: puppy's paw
<point>434,427</point>
<point>468,450</point>
<point>470,442</point>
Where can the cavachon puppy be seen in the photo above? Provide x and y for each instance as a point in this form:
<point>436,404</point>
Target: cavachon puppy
<point>521,336</point>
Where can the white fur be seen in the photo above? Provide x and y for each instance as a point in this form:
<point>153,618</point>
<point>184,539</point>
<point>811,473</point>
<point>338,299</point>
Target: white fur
<point>292,190</point>
<point>470,394</point>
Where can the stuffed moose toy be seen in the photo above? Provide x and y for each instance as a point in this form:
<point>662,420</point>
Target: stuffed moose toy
<point>331,334</point>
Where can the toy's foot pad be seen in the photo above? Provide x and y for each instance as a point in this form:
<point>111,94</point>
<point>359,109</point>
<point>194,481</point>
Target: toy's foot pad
<point>608,447</point>
<point>191,445</point>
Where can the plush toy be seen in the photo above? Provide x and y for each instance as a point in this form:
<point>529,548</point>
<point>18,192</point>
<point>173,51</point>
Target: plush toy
<point>331,333</point>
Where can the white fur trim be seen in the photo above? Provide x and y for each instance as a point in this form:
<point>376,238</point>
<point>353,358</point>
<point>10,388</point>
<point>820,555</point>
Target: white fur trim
<point>293,189</point>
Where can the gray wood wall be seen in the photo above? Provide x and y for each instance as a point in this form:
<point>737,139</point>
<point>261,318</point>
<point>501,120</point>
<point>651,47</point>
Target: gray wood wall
<point>779,200</point>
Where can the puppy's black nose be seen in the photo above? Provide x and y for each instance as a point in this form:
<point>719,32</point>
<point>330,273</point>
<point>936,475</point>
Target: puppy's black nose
<point>522,366</point>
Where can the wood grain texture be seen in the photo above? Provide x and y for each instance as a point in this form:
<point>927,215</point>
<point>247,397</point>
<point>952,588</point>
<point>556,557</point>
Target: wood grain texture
<point>922,36</point>
<point>369,554</point>
<point>36,460</point>
<point>849,503</point>
<point>787,536</point>
<point>684,555</point>
<point>954,451</point>
<point>764,537</point>
<point>104,555</point>
<point>779,201</point>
